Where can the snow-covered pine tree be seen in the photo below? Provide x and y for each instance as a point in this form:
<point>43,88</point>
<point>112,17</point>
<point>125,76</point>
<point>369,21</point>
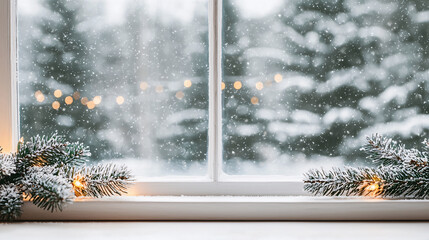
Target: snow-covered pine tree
<point>184,140</point>
<point>62,61</point>
<point>242,130</point>
<point>346,69</point>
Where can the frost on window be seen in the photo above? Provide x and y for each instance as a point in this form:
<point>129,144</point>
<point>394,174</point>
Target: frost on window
<point>128,78</point>
<point>304,81</point>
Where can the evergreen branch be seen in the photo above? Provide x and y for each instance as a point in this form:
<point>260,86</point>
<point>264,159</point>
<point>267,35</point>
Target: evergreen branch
<point>7,165</point>
<point>10,202</point>
<point>75,154</point>
<point>385,181</point>
<point>99,180</point>
<point>41,150</point>
<point>426,144</point>
<point>385,151</point>
<point>47,187</point>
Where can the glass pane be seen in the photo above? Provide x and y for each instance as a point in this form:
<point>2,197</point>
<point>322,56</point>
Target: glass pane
<point>305,81</point>
<point>128,78</point>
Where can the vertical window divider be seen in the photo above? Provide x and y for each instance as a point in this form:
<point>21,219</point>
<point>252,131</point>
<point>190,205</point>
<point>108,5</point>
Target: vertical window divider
<point>8,90</point>
<point>215,100</point>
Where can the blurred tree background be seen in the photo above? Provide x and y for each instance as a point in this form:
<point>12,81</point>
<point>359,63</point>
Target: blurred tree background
<point>304,81</point>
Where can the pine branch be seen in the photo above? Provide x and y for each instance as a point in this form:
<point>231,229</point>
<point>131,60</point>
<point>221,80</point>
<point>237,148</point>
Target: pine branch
<point>47,187</point>
<point>385,151</point>
<point>99,180</point>
<point>7,165</point>
<point>426,144</point>
<point>385,181</point>
<point>41,150</point>
<point>75,154</point>
<point>10,202</point>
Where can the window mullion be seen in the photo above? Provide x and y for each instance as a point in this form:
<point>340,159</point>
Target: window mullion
<point>8,89</point>
<point>215,101</point>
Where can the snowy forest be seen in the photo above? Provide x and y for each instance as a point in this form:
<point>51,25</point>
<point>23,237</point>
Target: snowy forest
<point>303,81</point>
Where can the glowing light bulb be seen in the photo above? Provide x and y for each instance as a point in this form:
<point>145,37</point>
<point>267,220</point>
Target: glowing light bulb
<point>238,85</point>
<point>259,86</point>
<point>97,100</point>
<point>144,86</point>
<point>180,95</point>
<point>120,100</point>
<point>372,187</point>
<point>84,100</point>
<point>222,85</point>
<point>278,77</point>
<point>77,182</point>
<point>159,89</point>
<point>76,95</point>
<point>68,100</point>
<point>187,83</point>
<point>254,100</point>
<point>39,96</point>
<point>56,105</point>
<point>58,93</point>
<point>90,105</point>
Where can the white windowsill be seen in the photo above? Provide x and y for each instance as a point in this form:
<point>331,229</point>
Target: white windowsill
<point>234,208</point>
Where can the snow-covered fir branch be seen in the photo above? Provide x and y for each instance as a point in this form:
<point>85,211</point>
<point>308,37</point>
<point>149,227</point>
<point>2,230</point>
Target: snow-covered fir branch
<point>49,171</point>
<point>47,187</point>
<point>401,173</point>
<point>99,180</point>
<point>386,181</point>
<point>10,202</point>
<point>385,151</point>
<point>7,165</point>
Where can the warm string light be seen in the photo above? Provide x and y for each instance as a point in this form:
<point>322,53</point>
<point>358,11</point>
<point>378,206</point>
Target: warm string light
<point>254,100</point>
<point>76,95</point>
<point>237,85</point>
<point>120,100</point>
<point>374,187</point>
<point>40,97</point>
<point>180,95</point>
<point>78,185</point>
<point>187,83</point>
<point>144,86</point>
<point>159,89</point>
<point>97,100</point>
<point>84,101</point>
<point>90,105</point>
<point>278,77</point>
<point>259,86</point>
<point>56,105</point>
<point>68,100</point>
<point>58,93</point>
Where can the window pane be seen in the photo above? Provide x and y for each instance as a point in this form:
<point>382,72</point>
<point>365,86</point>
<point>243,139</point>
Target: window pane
<point>305,81</point>
<point>128,78</point>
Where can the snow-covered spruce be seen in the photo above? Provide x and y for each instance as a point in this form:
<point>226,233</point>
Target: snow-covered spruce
<point>401,173</point>
<point>7,165</point>
<point>10,202</point>
<point>47,187</point>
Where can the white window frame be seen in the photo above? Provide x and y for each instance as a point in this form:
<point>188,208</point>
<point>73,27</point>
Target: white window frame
<point>214,183</point>
<point>279,202</point>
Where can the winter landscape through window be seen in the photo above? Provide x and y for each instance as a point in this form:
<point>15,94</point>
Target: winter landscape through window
<point>302,81</point>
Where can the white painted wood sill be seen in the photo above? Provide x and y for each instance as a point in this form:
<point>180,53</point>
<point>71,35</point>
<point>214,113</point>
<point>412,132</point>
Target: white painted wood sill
<point>234,208</point>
